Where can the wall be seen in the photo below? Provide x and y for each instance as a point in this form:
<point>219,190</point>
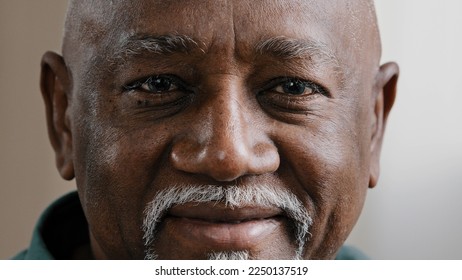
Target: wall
<point>28,177</point>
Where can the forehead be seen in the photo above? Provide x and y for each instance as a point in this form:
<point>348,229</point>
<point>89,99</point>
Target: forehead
<point>219,21</point>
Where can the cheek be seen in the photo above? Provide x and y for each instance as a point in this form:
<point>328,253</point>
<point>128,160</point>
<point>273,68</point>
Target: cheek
<point>114,178</point>
<point>329,164</point>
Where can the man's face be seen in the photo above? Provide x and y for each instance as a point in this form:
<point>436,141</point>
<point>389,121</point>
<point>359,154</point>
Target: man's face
<point>206,95</point>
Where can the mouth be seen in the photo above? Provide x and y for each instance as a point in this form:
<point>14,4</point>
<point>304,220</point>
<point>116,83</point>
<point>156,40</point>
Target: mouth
<point>219,227</point>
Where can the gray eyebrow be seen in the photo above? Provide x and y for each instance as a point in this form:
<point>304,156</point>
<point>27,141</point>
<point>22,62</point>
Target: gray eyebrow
<point>162,45</point>
<point>289,48</point>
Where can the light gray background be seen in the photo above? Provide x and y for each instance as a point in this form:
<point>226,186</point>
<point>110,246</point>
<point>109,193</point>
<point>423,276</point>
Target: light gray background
<point>414,212</point>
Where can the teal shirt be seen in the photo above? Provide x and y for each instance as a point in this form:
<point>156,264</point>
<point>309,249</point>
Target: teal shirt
<point>63,227</point>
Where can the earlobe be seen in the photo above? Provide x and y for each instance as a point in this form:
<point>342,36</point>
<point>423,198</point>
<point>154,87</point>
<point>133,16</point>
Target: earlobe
<point>55,87</point>
<point>384,98</point>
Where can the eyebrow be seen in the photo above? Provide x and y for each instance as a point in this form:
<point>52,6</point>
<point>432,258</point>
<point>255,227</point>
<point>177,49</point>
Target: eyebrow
<point>289,48</point>
<point>280,46</point>
<point>161,45</point>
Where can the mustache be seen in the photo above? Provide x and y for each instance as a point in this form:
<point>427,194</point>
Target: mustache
<point>231,196</point>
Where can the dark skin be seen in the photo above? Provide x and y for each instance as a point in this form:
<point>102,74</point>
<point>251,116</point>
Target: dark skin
<point>218,113</point>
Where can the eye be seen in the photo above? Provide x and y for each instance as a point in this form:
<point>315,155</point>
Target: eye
<point>156,84</point>
<point>284,96</point>
<point>294,86</point>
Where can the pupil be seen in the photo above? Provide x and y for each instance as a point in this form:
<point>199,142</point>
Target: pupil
<point>159,84</point>
<point>294,87</point>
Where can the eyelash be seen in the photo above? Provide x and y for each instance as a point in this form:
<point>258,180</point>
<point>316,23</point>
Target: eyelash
<point>138,84</point>
<point>278,82</point>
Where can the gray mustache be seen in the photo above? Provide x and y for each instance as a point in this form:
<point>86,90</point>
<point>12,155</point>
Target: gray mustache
<point>233,197</point>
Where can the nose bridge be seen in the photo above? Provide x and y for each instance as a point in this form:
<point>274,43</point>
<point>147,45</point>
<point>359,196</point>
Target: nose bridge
<point>226,150</point>
<point>222,145</point>
<point>229,135</point>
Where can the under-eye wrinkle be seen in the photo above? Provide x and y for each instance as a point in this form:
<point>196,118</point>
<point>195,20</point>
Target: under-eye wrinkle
<point>143,103</point>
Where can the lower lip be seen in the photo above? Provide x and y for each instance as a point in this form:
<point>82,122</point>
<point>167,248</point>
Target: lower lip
<point>222,236</point>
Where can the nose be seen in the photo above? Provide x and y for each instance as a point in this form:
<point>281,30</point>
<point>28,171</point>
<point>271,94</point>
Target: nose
<point>224,142</point>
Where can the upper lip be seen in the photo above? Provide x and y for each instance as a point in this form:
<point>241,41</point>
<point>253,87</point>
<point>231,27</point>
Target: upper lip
<point>220,213</point>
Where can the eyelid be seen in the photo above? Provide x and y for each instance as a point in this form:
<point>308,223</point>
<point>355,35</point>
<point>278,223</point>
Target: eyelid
<point>317,88</point>
<point>138,83</point>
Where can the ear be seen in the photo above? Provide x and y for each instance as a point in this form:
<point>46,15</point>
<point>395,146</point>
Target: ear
<point>384,97</point>
<point>55,87</point>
